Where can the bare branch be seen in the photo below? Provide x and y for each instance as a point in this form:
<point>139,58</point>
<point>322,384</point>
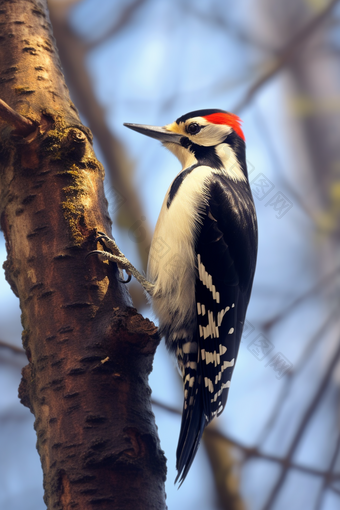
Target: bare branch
<point>320,284</point>
<point>22,125</point>
<point>124,19</point>
<point>336,490</point>
<point>285,55</point>
<point>223,23</point>
<point>13,348</point>
<point>277,164</point>
<point>321,331</point>
<point>251,452</point>
<point>302,427</point>
<point>166,407</point>
<point>327,478</point>
<point>222,459</point>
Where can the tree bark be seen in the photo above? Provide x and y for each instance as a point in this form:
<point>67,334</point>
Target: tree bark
<point>89,352</point>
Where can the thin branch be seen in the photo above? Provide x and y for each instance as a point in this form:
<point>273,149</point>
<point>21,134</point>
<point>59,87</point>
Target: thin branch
<point>336,490</point>
<point>124,19</point>
<point>324,281</point>
<point>326,480</point>
<point>223,459</point>
<point>251,452</point>
<point>166,407</point>
<point>301,429</point>
<point>14,348</point>
<point>214,18</point>
<point>267,136</point>
<point>23,126</point>
<point>285,55</point>
<point>321,331</point>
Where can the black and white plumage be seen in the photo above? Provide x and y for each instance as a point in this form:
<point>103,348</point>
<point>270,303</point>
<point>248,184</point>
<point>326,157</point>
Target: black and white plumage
<point>201,283</point>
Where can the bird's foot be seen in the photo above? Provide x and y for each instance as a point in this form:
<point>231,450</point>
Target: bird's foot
<point>122,262</point>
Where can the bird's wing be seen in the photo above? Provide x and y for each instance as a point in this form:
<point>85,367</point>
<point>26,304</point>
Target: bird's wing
<point>226,255</point>
<point>217,294</point>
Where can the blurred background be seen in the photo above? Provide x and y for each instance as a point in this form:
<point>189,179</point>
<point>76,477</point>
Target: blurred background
<point>276,64</point>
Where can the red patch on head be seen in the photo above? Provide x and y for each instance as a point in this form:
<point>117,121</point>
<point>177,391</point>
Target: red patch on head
<point>228,119</point>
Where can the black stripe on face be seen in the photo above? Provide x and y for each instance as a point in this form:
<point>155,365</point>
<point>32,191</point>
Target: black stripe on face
<point>198,113</point>
<point>205,155</point>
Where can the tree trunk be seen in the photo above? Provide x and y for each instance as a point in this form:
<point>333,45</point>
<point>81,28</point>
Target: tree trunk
<point>89,352</point>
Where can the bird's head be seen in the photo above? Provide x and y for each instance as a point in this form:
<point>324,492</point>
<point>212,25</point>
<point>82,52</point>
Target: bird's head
<point>208,137</point>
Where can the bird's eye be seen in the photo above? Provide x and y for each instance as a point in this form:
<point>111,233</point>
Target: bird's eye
<point>193,128</point>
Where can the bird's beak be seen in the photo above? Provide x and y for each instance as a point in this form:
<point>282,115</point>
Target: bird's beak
<point>159,133</point>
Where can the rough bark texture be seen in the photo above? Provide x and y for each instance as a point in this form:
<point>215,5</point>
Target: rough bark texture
<point>89,352</point>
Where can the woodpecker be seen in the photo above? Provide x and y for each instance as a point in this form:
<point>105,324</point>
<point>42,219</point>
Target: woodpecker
<point>201,263</point>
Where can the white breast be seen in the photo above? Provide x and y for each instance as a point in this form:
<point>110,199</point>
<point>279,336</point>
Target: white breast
<point>172,259</point>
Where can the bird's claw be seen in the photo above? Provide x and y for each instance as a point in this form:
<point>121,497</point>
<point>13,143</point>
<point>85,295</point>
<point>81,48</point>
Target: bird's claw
<point>129,276</point>
<point>112,253</point>
<point>109,243</point>
<point>117,256</point>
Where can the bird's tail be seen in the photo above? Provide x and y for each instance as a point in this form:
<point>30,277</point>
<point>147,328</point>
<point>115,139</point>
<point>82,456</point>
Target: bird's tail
<point>192,427</point>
